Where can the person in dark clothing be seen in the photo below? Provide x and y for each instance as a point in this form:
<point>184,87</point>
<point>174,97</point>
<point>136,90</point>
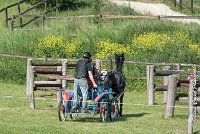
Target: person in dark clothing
<point>84,72</point>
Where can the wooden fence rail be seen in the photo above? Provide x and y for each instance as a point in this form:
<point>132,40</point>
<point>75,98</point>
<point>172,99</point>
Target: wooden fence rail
<point>7,18</point>
<point>20,13</point>
<point>59,81</point>
<point>1,10</point>
<point>34,18</point>
<point>152,87</point>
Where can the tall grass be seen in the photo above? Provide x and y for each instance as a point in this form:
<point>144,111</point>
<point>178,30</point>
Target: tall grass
<point>119,31</point>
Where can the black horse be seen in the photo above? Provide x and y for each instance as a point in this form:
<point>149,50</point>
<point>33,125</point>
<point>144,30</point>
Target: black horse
<point>116,80</point>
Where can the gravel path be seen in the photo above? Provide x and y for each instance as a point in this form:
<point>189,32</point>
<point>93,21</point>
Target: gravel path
<point>155,9</point>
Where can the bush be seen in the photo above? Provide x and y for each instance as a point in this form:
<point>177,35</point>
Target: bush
<point>165,47</point>
<point>56,47</point>
<point>13,70</point>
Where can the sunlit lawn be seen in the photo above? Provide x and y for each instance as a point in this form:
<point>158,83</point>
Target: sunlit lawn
<point>138,118</point>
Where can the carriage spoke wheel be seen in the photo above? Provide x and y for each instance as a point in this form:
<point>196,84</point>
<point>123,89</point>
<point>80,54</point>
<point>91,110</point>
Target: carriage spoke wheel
<point>114,111</point>
<point>61,111</point>
<point>104,111</point>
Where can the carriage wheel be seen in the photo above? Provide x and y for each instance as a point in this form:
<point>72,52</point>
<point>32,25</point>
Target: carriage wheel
<point>114,110</point>
<point>61,111</point>
<point>104,111</point>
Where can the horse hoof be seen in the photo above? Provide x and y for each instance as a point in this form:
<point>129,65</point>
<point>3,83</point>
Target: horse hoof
<point>120,115</point>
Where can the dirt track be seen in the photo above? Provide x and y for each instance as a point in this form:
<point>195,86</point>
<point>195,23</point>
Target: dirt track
<point>155,9</point>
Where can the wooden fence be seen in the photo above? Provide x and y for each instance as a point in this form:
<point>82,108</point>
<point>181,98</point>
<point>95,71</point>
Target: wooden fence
<point>170,86</point>
<point>171,81</point>
<point>20,13</point>
<point>56,73</point>
<point>183,3</point>
<point>7,18</point>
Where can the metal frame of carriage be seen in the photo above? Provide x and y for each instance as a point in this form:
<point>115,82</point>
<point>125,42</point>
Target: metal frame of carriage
<point>101,102</point>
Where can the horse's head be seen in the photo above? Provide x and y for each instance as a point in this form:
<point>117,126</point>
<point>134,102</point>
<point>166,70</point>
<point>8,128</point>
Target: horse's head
<point>119,61</point>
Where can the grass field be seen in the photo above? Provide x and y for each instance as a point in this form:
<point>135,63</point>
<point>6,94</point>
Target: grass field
<point>17,118</point>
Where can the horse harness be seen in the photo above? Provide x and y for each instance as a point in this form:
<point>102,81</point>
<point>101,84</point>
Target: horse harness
<point>122,84</point>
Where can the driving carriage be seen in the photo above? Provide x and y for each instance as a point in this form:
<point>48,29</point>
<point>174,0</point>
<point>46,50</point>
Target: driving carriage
<point>104,99</point>
<point>100,101</point>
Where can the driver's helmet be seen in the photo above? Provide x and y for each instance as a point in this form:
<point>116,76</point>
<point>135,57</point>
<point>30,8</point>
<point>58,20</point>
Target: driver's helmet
<point>87,55</point>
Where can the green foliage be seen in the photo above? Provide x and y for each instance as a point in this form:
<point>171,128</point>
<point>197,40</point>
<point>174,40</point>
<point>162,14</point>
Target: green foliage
<point>171,47</point>
<point>140,40</point>
<point>54,46</point>
<point>50,46</point>
<point>97,11</point>
<point>12,70</point>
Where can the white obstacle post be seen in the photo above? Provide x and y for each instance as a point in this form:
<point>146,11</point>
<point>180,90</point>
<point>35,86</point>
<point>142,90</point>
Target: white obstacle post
<point>64,72</point>
<point>171,92</point>
<point>165,82</point>
<point>63,82</point>
<point>98,64</point>
<point>150,84</point>
<point>31,89</point>
<point>29,64</point>
<point>191,107</point>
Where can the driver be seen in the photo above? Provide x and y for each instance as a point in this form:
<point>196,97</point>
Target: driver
<point>83,73</point>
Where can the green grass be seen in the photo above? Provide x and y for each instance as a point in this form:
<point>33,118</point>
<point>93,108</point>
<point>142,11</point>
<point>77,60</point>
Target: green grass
<point>17,118</point>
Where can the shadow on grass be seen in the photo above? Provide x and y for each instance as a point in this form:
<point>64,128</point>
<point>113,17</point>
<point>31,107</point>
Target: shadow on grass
<point>181,116</point>
<point>126,116</point>
<point>87,119</point>
<point>95,119</point>
<point>197,132</point>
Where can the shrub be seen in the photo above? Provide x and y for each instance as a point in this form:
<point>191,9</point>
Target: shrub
<point>73,48</point>
<point>56,47</point>
<point>107,49</point>
<point>165,47</point>
<point>50,46</point>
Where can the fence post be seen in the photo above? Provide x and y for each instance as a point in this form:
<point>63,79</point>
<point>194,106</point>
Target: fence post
<point>191,7</point>
<point>150,84</point>
<point>174,3</point>
<point>6,16</point>
<point>171,92</point>
<point>19,10</point>
<point>190,98</point>
<point>98,64</point>
<point>56,6</point>
<point>12,23</point>
<point>165,82</point>
<point>59,68</point>
<point>181,4</point>
<point>45,8</point>
<point>29,64</point>
<point>110,64</point>
<point>64,72</point>
<point>31,89</point>
<point>43,19</point>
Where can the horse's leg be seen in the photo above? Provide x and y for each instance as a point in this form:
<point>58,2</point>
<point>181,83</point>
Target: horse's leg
<point>121,104</point>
